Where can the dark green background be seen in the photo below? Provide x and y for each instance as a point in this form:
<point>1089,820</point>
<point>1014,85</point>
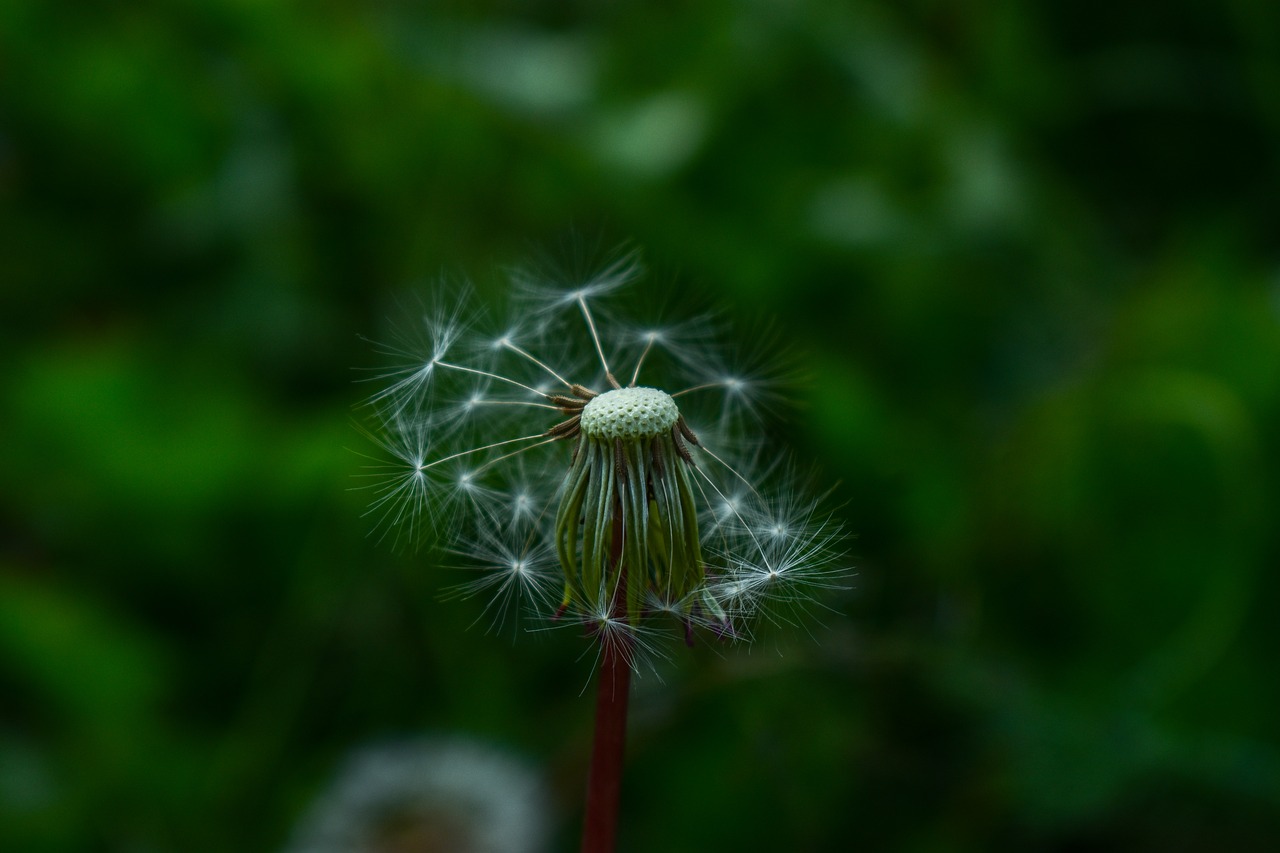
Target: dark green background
<point>1025,254</point>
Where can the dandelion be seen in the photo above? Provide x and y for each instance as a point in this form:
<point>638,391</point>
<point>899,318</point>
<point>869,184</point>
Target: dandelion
<point>427,794</point>
<point>596,471</point>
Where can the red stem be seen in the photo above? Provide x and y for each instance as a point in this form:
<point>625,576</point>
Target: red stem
<point>613,686</point>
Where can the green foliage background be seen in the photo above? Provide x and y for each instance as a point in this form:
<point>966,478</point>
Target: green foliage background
<point>1027,256</point>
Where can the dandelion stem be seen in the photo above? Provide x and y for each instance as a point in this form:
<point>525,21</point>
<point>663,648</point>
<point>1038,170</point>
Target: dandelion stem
<point>515,349</point>
<point>613,687</point>
<point>635,375</point>
<point>732,470</point>
<point>525,403</point>
<point>703,387</point>
<point>495,461</point>
<point>595,338</point>
<point>471,450</point>
<point>488,375</point>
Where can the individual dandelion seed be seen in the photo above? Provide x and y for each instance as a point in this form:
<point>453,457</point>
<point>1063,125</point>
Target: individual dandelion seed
<point>509,571</point>
<point>785,554</point>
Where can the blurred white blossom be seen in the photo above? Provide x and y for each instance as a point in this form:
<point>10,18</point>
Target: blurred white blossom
<point>424,796</point>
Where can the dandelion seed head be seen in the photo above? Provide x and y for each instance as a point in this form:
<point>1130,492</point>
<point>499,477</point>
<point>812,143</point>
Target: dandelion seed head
<point>614,475</point>
<point>629,413</point>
